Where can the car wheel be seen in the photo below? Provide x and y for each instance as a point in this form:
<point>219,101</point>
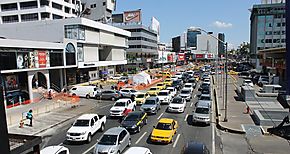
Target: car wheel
<point>89,138</point>
<point>87,96</point>
<point>102,127</point>
<point>138,129</point>
<point>113,98</point>
<point>129,144</point>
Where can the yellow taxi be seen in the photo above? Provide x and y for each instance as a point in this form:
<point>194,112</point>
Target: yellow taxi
<point>161,86</point>
<point>167,82</point>
<point>164,131</point>
<point>231,72</point>
<point>141,97</point>
<point>153,91</point>
<point>167,74</point>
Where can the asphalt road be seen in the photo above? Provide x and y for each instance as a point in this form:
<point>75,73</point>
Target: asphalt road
<point>186,131</point>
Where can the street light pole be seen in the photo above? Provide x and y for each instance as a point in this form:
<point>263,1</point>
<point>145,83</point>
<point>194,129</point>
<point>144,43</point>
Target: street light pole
<point>226,84</point>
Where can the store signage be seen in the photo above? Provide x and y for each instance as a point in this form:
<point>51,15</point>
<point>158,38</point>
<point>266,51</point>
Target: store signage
<point>181,57</point>
<point>170,58</point>
<point>42,59</point>
<point>209,56</point>
<point>199,55</point>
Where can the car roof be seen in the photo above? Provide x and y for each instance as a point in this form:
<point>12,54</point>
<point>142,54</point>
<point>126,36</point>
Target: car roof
<point>114,131</point>
<point>185,89</point>
<point>165,91</point>
<point>135,113</point>
<point>188,84</point>
<point>152,98</point>
<point>202,104</point>
<point>52,149</point>
<point>87,116</point>
<point>140,93</point>
<point>123,100</point>
<point>128,89</point>
<point>134,150</point>
<point>170,88</point>
<point>193,146</point>
<point>166,120</point>
<point>248,80</point>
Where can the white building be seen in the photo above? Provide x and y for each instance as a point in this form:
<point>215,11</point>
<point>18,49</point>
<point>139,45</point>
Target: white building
<point>97,50</point>
<point>32,10</point>
<point>207,47</point>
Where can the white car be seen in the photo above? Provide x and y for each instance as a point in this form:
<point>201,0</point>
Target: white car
<point>128,92</point>
<point>201,113</point>
<point>178,75</point>
<point>190,73</point>
<point>186,94</point>
<point>178,104</point>
<point>85,126</point>
<point>173,91</point>
<point>164,96</point>
<point>55,150</point>
<point>138,150</point>
<point>189,86</point>
<point>206,80</point>
<point>115,77</point>
<point>120,106</point>
<point>174,78</point>
<point>248,83</point>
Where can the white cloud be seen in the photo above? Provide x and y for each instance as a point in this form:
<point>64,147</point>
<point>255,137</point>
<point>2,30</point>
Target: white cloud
<point>220,24</point>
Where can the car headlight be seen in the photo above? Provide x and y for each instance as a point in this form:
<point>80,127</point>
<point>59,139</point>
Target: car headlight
<point>83,133</point>
<point>165,99</point>
<point>134,126</point>
<point>152,108</point>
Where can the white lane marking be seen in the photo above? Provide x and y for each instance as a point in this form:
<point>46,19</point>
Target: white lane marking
<point>194,96</point>
<point>105,106</point>
<point>140,138</point>
<point>186,117</point>
<point>92,147</point>
<point>191,104</point>
<point>174,145</point>
<point>60,144</point>
<point>160,116</point>
<point>213,139</point>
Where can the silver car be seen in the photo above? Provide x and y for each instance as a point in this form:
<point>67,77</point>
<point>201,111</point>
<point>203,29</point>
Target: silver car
<point>151,105</point>
<point>114,141</point>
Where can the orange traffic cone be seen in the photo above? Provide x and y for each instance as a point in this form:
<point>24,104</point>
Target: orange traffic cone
<point>21,124</point>
<point>247,110</point>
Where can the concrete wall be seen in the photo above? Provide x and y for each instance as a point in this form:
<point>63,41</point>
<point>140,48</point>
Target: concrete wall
<point>91,53</point>
<point>118,54</point>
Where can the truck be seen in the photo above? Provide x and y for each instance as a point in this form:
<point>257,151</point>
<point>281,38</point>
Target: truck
<point>85,127</point>
<point>122,105</point>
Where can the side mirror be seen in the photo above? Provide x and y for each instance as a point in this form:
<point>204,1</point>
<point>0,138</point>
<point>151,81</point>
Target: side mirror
<point>120,142</point>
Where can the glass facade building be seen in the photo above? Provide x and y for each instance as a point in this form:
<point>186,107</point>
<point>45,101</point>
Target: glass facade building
<point>192,38</point>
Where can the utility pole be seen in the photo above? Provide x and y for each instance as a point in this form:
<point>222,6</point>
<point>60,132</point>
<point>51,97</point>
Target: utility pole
<point>4,139</point>
<point>226,84</point>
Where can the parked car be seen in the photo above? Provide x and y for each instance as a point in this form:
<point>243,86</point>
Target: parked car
<point>128,92</point>
<point>84,91</point>
<point>55,150</point>
<point>204,85</point>
<point>134,121</point>
<point>198,148</point>
<point>151,105</point>
<point>115,77</point>
<point>248,82</point>
<point>141,97</point>
<point>124,79</point>
<point>164,131</point>
<point>138,150</point>
<point>205,91</point>
<point>173,91</point>
<point>178,104</point>
<point>119,107</point>
<point>263,80</point>
<point>186,94</point>
<point>109,94</point>
<point>85,126</point>
<point>113,141</point>
<point>205,98</point>
<point>164,96</point>
<point>16,97</point>
<point>201,113</point>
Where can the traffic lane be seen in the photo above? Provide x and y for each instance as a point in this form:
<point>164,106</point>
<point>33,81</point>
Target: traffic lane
<point>59,138</point>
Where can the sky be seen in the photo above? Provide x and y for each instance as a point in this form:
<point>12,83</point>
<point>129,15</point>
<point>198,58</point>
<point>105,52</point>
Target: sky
<point>231,17</point>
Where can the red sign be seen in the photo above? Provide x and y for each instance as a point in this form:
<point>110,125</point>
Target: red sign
<point>170,58</point>
<point>42,59</point>
<point>181,57</point>
<point>199,56</point>
<point>209,56</point>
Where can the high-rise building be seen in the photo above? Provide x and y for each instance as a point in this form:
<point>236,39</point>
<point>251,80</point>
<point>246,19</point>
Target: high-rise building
<point>268,28</point>
<point>176,44</point>
<point>23,11</point>
<point>192,37</point>
<point>221,47</point>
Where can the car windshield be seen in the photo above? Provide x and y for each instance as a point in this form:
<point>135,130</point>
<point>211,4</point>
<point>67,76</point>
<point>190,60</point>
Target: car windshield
<point>164,126</point>
<point>185,92</point>
<point>191,80</point>
<point>150,102</point>
<point>168,80</point>
<point>82,123</point>
<point>160,84</point>
<point>120,104</point>
<point>248,81</point>
<point>187,86</point>
<point>131,117</point>
<point>170,89</point>
<point>162,93</point>
<point>202,110</point>
<point>153,88</point>
<point>206,91</point>
<point>175,82</point>
<point>177,101</point>
<point>140,96</point>
<point>108,140</point>
<point>205,98</point>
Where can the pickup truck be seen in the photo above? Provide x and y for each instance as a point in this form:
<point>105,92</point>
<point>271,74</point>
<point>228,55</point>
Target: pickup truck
<point>120,106</point>
<point>85,126</point>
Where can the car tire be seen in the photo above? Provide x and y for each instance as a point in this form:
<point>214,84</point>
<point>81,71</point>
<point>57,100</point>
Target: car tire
<point>98,97</point>
<point>138,129</point>
<point>89,138</point>
<point>113,98</point>
<point>87,96</point>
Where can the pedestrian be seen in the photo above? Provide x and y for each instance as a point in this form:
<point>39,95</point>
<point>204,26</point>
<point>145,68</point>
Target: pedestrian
<point>49,94</point>
<point>97,85</point>
<point>101,87</point>
<point>112,87</point>
<point>29,116</point>
<point>116,87</point>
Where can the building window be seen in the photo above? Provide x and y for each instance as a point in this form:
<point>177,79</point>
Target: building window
<point>8,7</point>
<point>10,19</point>
<point>66,9</point>
<point>104,3</point>
<point>56,6</point>
<point>44,3</point>
<point>75,32</point>
<point>55,16</point>
<point>29,17</point>
<point>8,60</point>
<point>80,53</point>
<point>28,5</point>
<point>70,52</point>
<point>45,15</point>
<point>93,5</point>
<point>56,58</point>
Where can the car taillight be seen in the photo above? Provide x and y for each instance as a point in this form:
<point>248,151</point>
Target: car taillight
<point>116,94</point>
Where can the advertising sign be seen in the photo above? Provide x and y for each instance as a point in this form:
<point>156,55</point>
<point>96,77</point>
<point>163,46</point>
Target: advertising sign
<point>22,60</point>
<point>132,16</point>
<point>42,59</point>
<point>198,55</point>
<point>209,56</point>
<point>181,57</point>
<point>170,57</point>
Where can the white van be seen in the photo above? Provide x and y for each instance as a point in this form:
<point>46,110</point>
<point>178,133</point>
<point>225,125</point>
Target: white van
<point>138,150</point>
<point>84,91</point>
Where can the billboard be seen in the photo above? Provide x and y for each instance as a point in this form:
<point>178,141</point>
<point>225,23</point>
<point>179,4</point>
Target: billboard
<point>132,16</point>
<point>199,55</point>
<point>181,56</point>
<point>117,18</point>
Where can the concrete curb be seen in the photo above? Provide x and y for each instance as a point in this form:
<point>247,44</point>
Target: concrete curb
<point>219,126</point>
<point>265,132</point>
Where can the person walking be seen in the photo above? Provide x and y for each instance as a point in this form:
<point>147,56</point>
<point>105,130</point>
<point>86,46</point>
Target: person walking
<point>29,116</point>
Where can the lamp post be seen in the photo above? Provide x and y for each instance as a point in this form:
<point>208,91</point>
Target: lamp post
<point>226,69</point>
